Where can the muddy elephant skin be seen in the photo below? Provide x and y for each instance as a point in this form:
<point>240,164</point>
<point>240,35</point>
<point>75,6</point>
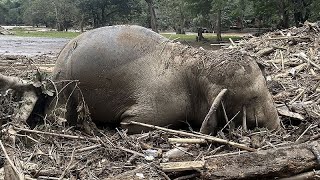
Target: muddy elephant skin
<point>129,73</point>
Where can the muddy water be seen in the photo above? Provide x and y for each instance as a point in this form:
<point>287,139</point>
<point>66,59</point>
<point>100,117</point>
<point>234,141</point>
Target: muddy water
<point>31,46</point>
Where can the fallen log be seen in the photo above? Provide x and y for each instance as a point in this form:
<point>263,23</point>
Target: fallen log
<point>281,162</point>
<point>15,83</point>
<point>29,97</point>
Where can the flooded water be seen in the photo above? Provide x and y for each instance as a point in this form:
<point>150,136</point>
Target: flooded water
<point>31,46</point>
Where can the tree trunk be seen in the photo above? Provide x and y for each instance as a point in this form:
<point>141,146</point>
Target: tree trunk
<point>218,25</point>
<point>58,23</point>
<point>301,11</point>
<point>81,23</point>
<point>200,36</point>
<point>182,22</point>
<point>284,21</point>
<point>279,162</point>
<point>103,16</point>
<point>153,18</point>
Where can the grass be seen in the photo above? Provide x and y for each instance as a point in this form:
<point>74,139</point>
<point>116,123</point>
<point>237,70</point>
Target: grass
<point>189,39</point>
<point>51,34</point>
<point>192,37</point>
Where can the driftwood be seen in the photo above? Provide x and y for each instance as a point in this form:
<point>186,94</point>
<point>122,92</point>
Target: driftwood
<point>281,162</point>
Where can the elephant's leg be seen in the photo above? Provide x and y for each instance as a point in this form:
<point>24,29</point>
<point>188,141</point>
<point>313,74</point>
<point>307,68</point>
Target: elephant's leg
<point>138,114</point>
<point>150,114</point>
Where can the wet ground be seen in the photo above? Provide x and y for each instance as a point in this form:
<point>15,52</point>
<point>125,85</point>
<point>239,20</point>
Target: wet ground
<point>31,46</point>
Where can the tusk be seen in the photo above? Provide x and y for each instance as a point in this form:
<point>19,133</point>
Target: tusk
<point>204,126</point>
<point>244,119</point>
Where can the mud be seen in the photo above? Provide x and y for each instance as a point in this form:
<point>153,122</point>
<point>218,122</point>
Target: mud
<point>31,46</point>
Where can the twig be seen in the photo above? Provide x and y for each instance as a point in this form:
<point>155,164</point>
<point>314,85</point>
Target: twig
<point>55,134</point>
<point>280,38</point>
<point>225,114</point>
<point>205,124</point>
<point>69,165</point>
<point>49,178</point>
<point>184,151</point>
<point>230,121</point>
<point>304,132</point>
<point>297,97</point>
<point>309,61</point>
<point>20,175</point>
<point>234,44</point>
<point>131,151</point>
<point>187,141</point>
<point>89,148</point>
<point>227,154</point>
<point>282,60</point>
<point>207,137</point>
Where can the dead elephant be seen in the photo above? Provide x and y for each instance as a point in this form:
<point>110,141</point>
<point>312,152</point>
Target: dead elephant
<point>129,73</point>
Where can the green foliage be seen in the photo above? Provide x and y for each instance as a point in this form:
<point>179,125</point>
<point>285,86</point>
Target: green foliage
<point>174,14</point>
<point>179,15</point>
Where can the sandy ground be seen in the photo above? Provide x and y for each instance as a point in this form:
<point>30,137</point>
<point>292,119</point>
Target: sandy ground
<point>31,46</point>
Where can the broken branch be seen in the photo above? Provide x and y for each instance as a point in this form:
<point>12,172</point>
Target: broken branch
<point>11,82</point>
<point>55,134</point>
<point>207,137</point>
<point>20,175</point>
<point>187,141</point>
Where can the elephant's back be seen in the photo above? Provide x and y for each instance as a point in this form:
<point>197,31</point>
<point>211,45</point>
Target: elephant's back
<point>99,51</point>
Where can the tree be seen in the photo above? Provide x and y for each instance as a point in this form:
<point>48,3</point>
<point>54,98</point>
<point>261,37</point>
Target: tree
<point>152,13</point>
<point>65,13</point>
<point>99,13</point>
<point>3,12</point>
<point>12,11</point>
<point>201,11</point>
<point>217,8</point>
<point>37,12</point>
<point>174,14</point>
<point>284,9</point>
<point>301,11</point>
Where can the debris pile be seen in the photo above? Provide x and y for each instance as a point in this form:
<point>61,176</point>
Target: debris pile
<point>3,31</point>
<point>292,60</point>
<point>53,150</point>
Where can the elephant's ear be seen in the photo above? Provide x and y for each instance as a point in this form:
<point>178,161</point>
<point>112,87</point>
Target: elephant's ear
<point>262,67</point>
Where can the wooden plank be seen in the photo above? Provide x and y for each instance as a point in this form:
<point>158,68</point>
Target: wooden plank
<point>181,166</point>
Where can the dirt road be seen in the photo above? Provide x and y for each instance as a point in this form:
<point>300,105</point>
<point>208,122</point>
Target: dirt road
<point>31,46</point>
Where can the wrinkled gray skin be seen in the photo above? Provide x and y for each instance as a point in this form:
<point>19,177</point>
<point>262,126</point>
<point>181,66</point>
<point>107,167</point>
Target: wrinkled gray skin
<point>129,73</point>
